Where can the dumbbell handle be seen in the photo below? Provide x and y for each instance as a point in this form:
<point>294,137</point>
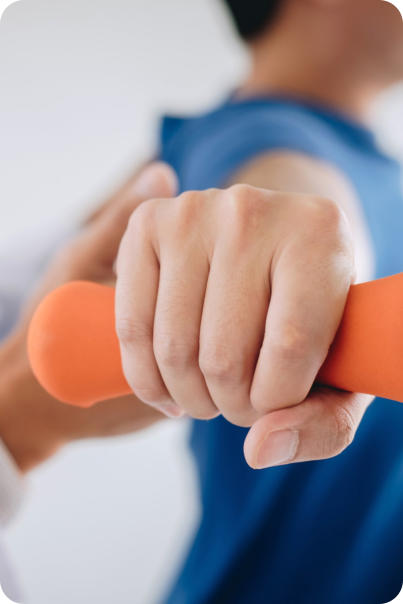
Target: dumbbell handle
<point>74,351</point>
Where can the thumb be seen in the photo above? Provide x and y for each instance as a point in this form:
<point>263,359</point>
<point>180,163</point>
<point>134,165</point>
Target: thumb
<point>98,244</point>
<point>320,427</point>
<point>155,180</point>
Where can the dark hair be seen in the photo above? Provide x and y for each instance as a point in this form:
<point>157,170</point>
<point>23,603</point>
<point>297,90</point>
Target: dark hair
<point>252,16</point>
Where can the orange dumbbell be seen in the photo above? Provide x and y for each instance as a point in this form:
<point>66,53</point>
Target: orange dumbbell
<point>74,351</point>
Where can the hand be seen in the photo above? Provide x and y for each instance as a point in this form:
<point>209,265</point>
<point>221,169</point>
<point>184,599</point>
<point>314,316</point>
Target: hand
<point>32,424</point>
<point>227,302</point>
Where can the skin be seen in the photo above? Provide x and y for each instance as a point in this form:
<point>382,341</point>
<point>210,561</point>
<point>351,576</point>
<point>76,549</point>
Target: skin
<point>33,425</point>
<point>337,52</point>
<point>244,288</point>
<point>361,46</point>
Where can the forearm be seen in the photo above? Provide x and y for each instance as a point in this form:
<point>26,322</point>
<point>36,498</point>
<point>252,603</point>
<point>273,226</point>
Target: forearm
<point>24,428</point>
<point>34,425</point>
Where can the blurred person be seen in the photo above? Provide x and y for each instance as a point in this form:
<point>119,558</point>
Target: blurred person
<point>33,425</point>
<point>323,531</point>
<point>242,293</point>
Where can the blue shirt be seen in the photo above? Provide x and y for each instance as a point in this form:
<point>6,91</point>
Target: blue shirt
<point>326,532</point>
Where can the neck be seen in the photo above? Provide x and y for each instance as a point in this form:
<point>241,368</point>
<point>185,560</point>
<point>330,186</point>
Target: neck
<point>282,67</point>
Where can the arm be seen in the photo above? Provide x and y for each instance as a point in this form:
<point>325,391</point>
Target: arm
<point>33,425</point>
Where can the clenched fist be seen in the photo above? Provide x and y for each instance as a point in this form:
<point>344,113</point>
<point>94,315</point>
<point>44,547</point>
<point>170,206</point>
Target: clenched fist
<point>227,302</point>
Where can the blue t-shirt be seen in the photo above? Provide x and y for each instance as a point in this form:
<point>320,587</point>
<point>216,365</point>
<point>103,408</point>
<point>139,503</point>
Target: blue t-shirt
<point>326,532</point>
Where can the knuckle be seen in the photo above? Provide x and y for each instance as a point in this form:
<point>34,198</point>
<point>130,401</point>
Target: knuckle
<point>187,204</point>
<point>220,366</point>
<point>291,345</point>
<point>173,352</point>
<point>141,216</point>
<point>240,193</point>
<point>246,211</point>
<point>215,367</point>
<point>185,212</point>
<point>189,199</point>
<point>243,201</point>
<point>344,429</point>
<point>132,332</point>
<point>325,214</point>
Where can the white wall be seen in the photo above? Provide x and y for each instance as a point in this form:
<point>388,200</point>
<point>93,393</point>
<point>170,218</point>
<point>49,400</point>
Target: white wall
<point>81,85</point>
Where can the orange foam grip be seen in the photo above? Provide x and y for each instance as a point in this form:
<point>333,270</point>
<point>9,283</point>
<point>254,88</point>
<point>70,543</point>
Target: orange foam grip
<point>74,351</point>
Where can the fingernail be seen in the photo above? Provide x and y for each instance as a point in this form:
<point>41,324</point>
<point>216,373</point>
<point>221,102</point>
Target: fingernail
<point>155,181</point>
<point>278,448</point>
<point>145,183</point>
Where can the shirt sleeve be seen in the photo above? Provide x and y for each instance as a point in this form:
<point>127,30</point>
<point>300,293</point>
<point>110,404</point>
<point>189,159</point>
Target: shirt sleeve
<point>213,149</point>
<point>12,486</point>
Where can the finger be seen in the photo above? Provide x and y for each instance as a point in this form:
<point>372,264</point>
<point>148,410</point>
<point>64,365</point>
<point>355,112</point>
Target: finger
<point>98,243</point>
<point>309,291</point>
<point>136,296</point>
<point>322,426</point>
<point>182,286</point>
<point>91,255</point>
<point>126,190</point>
<point>231,333</point>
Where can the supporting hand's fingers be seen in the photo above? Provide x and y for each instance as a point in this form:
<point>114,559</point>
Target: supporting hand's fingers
<point>137,187</point>
<point>310,282</point>
<point>91,254</point>
<point>320,427</point>
<point>99,242</point>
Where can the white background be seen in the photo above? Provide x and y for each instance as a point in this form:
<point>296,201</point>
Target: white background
<point>81,85</point>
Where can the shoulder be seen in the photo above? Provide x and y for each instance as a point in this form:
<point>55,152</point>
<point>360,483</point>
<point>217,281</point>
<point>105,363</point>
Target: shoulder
<point>255,119</point>
<point>208,148</point>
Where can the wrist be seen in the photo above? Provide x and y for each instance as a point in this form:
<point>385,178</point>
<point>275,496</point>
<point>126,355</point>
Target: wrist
<point>27,425</point>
